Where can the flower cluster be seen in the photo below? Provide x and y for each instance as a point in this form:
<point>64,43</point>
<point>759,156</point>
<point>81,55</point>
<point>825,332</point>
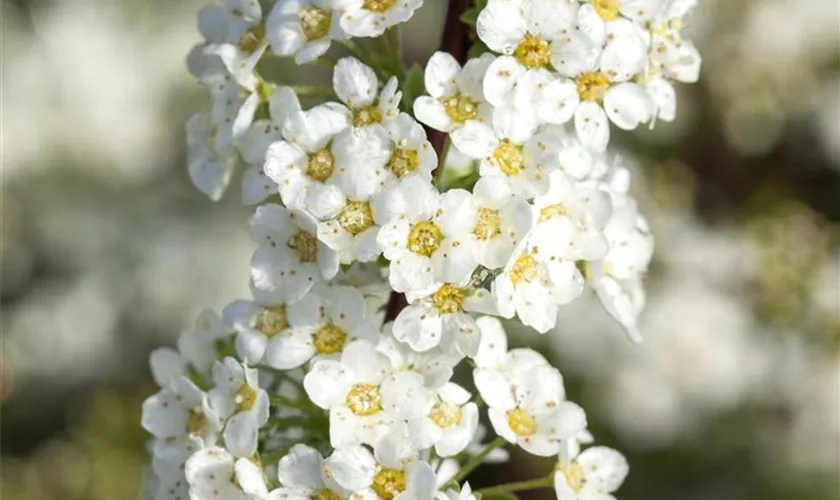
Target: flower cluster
<point>299,392</point>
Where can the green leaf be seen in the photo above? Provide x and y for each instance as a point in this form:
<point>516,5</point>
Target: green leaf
<point>470,16</point>
<point>480,4</point>
<point>413,87</point>
<point>477,49</point>
<point>500,496</point>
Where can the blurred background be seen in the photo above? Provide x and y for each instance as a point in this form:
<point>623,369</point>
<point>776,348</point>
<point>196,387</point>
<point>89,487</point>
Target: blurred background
<point>108,252</point>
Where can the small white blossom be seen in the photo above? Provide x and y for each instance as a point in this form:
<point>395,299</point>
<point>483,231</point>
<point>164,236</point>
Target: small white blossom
<point>370,18</point>
<point>428,241</point>
<point>356,85</point>
<point>238,398</point>
<point>303,164</point>
<point>210,167</point>
<point>213,473</point>
<point>320,326</point>
<point>529,409</point>
<point>304,474</point>
<point>456,94</point>
<point>505,152</point>
<point>228,21</point>
<point>592,475</point>
<point>305,28</point>
<point>199,345</point>
<point>394,473</point>
<point>449,426</point>
<point>434,365</point>
<point>290,259</point>
<point>364,398</point>
<point>181,419</point>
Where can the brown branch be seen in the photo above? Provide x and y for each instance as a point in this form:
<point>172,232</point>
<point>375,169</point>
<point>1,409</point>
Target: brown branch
<point>455,41</point>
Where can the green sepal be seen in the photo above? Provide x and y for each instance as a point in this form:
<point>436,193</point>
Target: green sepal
<point>413,87</point>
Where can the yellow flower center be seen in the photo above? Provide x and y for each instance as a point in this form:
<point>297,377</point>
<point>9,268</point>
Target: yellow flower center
<point>315,22</point>
<point>521,422</point>
<point>403,161</point>
<point>306,245</point>
<point>533,52</point>
<point>592,86</point>
<point>325,494</point>
<point>378,5</point>
<point>367,116</point>
<point>320,165</point>
<point>552,211</point>
<point>574,476</point>
<point>460,108</point>
<point>196,422</point>
<point>388,483</point>
<point>424,238</point>
<point>489,224</point>
<point>329,339</point>
<point>509,157</point>
<point>271,320</point>
<point>525,268</point>
<point>251,40</point>
<point>355,217</point>
<point>445,414</point>
<point>448,299</point>
<point>364,399</point>
<point>607,9</point>
<point>245,398</point>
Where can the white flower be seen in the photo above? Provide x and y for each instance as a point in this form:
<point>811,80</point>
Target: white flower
<point>540,275</point>
<point>393,474</point>
<point>199,345</point>
<point>586,207</point>
<point>304,28</point>
<point>411,152</point>
<point>370,18</point>
<point>434,365</point>
<point>527,32</point>
<point>236,95</point>
<point>597,16</point>
<point>428,242</point>
<point>618,277</point>
<point>254,143</point>
<point>602,79</point>
<point>356,86</point>
<point>440,318</point>
<point>364,398</point>
<point>464,494</point>
<point>290,259</point>
<point>350,213</point>
<point>450,425</point>
<point>166,363</point>
<point>456,94</point>
<point>209,166</point>
<point>494,360</point>
<point>238,398</point>
<point>529,409</point>
<point>303,165</point>
<point>593,475</point>
<point>501,221</point>
<point>180,416</point>
<point>321,328</point>
<point>304,474</point>
<point>506,152</point>
<point>213,473</point>
<point>228,21</point>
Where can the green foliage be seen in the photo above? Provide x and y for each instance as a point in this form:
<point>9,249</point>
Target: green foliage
<point>413,86</point>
